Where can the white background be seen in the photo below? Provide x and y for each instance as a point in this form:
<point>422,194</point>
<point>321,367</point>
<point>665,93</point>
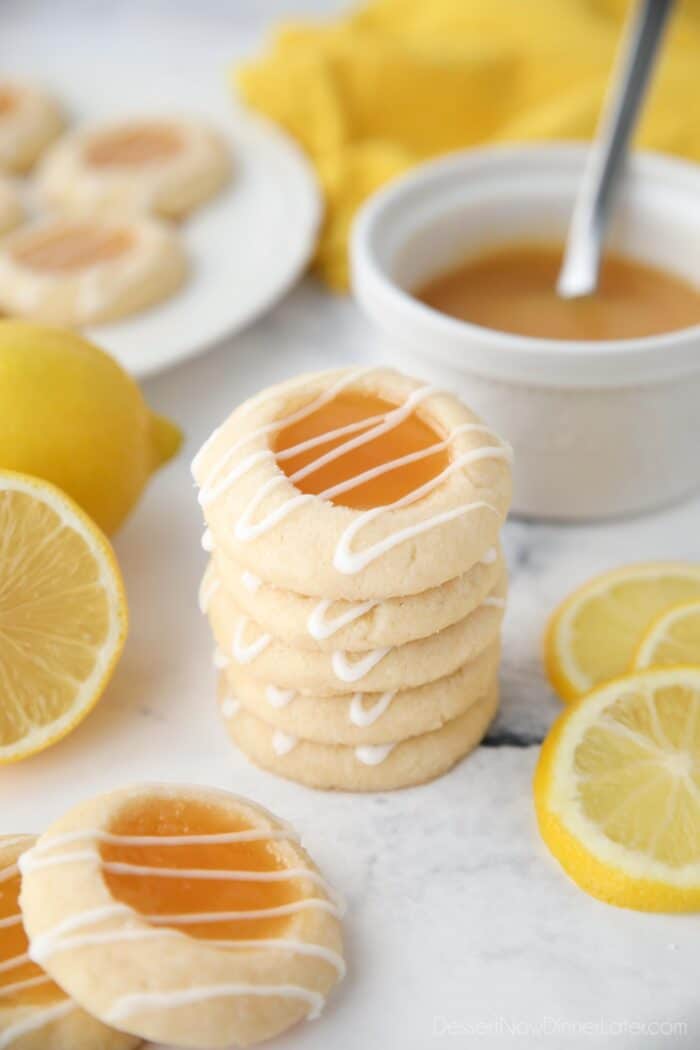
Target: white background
<point>457,913</point>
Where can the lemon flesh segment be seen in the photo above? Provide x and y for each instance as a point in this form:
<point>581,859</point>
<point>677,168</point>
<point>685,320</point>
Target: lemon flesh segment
<point>673,639</point>
<point>594,635</point>
<point>617,791</point>
<point>62,615</point>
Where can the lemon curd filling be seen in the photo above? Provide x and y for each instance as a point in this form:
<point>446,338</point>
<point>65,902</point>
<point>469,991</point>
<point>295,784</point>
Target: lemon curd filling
<point>413,434</point>
<point>514,290</point>
<point>72,247</point>
<point>154,895</point>
<point>8,101</point>
<point>133,147</point>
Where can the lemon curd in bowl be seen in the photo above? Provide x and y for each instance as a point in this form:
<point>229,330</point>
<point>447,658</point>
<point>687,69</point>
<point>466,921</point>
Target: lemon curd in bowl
<point>513,289</point>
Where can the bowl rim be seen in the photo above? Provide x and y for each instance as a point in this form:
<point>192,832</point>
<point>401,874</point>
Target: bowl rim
<point>376,290</point>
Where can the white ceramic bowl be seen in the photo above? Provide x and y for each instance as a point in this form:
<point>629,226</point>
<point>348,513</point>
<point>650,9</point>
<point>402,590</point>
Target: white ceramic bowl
<point>599,428</point>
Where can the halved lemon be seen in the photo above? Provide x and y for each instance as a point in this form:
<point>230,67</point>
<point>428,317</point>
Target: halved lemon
<point>63,614</point>
<point>672,639</point>
<point>617,791</point>
<point>594,634</point>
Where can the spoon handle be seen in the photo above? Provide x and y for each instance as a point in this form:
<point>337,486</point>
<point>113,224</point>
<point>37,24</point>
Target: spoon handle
<point>584,245</point>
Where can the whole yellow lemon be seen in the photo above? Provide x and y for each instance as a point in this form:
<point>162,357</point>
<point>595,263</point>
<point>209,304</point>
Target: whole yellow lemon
<point>70,414</point>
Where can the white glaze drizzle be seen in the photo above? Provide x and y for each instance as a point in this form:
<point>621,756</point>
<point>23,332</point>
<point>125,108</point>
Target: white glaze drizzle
<point>283,743</point>
<point>8,873</point>
<point>207,590</point>
<point>320,627</point>
<point>496,603</point>
<point>15,840</point>
<point>57,941</point>
<point>125,1006</point>
<point>250,581</point>
<point>490,556</point>
<point>207,541</point>
<point>67,935</point>
<point>220,838</point>
<point>245,654</point>
<point>147,871</point>
<point>367,716</point>
<point>34,1021</point>
<point>10,920</point>
<point>230,707</point>
<point>277,697</point>
<point>209,490</point>
<point>221,660</point>
<point>345,560</point>
<point>22,986</point>
<point>353,670</point>
<point>373,755</point>
<point>14,962</point>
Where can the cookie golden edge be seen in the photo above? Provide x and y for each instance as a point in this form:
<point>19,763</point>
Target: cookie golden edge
<point>138,982</point>
<point>421,544</point>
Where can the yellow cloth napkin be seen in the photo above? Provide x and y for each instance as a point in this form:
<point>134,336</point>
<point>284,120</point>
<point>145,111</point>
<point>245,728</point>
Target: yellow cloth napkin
<point>399,81</point>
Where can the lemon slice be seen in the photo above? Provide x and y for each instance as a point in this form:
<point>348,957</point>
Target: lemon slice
<point>617,791</point>
<point>672,639</point>
<point>593,636</point>
<point>63,615</point>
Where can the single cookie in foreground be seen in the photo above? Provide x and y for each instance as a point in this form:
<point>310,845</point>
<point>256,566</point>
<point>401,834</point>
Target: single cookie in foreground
<point>383,767</point>
<point>29,121</point>
<point>34,1013</point>
<point>184,915</point>
<point>162,165</point>
<point>78,272</point>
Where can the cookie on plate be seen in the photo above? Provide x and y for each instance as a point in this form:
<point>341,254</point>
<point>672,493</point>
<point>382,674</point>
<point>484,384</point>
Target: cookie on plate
<point>184,915</point>
<point>29,121</point>
<point>158,164</point>
<point>35,1014</point>
<point>86,271</point>
<point>11,209</point>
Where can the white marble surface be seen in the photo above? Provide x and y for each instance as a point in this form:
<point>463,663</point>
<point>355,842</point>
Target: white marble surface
<point>457,915</point>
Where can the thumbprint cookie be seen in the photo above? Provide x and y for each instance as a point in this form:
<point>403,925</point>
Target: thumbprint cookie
<point>87,271</point>
<point>379,485</point>
<point>161,165</point>
<point>29,121</point>
<point>35,1014</point>
<point>183,915</point>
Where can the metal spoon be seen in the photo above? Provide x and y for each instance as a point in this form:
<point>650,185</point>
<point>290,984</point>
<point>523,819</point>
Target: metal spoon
<point>584,245</point>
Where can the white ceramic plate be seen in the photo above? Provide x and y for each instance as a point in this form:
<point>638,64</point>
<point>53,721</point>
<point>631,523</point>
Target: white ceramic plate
<point>247,246</point>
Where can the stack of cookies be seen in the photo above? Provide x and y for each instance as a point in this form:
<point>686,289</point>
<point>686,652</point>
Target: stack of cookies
<point>356,585</point>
